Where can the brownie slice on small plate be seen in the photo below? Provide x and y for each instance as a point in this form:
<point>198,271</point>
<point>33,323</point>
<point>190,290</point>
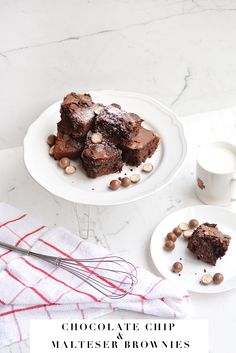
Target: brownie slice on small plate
<point>101,158</point>
<point>116,124</point>
<point>141,147</point>
<point>208,244</point>
<point>67,146</point>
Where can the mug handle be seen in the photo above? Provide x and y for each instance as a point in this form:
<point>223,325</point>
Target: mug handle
<point>233,181</point>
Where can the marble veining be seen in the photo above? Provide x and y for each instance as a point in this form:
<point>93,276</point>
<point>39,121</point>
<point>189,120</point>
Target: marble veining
<point>182,52</point>
<point>175,51</point>
<point>187,78</point>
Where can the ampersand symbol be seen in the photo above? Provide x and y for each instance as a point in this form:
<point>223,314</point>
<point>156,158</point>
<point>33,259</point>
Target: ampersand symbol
<point>120,336</point>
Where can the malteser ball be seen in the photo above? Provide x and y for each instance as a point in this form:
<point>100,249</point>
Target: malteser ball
<point>96,137</point>
<point>177,231</point>
<point>51,140</point>
<point>51,150</point>
<point>193,223</point>
<point>171,236</point>
<point>177,267</point>
<point>169,245</point>
<point>115,184</point>
<point>64,162</point>
<point>125,182</point>
<point>206,279</point>
<point>70,170</point>
<point>147,167</point>
<point>135,178</point>
<point>218,278</point>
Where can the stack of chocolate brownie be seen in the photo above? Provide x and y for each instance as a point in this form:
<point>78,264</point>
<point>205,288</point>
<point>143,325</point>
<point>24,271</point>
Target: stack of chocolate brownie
<point>104,137</point>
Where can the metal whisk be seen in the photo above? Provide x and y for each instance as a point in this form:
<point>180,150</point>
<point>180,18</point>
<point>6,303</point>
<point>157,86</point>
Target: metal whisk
<point>112,276</point>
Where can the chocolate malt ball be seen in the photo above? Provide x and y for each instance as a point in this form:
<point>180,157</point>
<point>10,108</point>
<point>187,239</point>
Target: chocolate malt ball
<point>218,278</point>
<point>206,279</point>
<point>177,231</point>
<point>177,267</point>
<point>193,223</point>
<point>70,170</point>
<point>115,184</point>
<point>64,162</point>
<point>51,140</point>
<point>135,178</point>
<point>171,236</point>
<point>125,182</point>
<point>169,245</point>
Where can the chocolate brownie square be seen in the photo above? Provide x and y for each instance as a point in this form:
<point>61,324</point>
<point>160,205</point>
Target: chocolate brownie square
<point>141,147</point>
<point>77,115</point>
<point>67,146</point>
<point>101,158</point>
<point>116,124</point>
<point>208,244</point>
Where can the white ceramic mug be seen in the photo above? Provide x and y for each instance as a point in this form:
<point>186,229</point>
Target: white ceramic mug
<point>216,173</point>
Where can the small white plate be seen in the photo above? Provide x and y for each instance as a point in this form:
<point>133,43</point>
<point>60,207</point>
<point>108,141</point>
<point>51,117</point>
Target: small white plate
<point>193,269</point>
<point>78,188</point>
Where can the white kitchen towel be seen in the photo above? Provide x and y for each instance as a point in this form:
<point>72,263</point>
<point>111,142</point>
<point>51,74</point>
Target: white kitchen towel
<point>31,288</point>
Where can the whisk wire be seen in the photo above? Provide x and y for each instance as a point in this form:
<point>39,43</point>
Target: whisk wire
<point>111,275</point>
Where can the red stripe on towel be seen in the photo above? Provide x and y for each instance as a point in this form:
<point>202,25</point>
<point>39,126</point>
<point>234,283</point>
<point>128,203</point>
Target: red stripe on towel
<point>12,220</point>
<point>32,288</point>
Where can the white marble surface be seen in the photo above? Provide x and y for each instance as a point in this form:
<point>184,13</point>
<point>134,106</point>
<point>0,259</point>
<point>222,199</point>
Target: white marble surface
<point>182,52</point>
<point>127,229</point>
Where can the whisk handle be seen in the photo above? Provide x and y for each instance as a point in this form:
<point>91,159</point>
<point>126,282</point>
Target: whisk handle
<point>14,248</point>
<point>28,252</point>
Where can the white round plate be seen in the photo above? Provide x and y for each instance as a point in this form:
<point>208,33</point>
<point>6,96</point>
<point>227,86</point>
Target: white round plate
<point>193,269</point>
<point>78,188</point>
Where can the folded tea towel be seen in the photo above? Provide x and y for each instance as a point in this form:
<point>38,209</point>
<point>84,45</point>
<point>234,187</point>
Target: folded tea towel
<point>31,288</point>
